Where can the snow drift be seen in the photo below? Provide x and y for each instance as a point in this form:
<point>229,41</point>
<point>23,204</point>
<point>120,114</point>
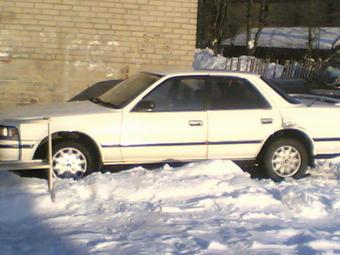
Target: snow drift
<point>210,207</point>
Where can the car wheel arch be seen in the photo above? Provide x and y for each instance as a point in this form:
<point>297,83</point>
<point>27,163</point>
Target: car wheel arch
<point>297,134</point>
<point>70,135</point>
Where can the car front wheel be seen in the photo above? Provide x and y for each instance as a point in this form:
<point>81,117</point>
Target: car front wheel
<point>285,158</point>
<point>71,159</point>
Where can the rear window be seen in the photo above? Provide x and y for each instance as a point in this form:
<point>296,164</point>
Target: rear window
<point>279,91</point>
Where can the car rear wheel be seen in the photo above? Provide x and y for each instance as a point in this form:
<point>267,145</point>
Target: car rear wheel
<point>285,158</point>
<point>72,159</point>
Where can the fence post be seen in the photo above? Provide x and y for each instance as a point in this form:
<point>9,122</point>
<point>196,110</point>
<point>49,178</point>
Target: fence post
<point>238,65</point>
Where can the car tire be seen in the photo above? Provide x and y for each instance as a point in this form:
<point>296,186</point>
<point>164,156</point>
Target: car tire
<point>284,158</point>
<point>72,159</point>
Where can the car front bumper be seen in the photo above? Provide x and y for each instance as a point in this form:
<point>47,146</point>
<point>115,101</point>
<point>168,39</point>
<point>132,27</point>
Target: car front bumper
<point>13,150</point>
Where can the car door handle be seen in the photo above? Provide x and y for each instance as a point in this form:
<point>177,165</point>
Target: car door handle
<point>195,123</point>
<point>267,121</point>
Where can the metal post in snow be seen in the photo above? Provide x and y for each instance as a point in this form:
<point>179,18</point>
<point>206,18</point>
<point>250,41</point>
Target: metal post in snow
<point>50,162</point>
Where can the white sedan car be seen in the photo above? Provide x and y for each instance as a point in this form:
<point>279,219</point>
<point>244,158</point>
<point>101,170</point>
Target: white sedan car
<point>177,116</point>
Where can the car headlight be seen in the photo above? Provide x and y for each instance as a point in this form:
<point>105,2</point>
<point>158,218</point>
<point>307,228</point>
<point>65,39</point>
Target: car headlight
<point>8,132</point>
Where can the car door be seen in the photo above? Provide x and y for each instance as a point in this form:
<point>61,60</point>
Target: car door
<point>240,119</point>
<point>172,127</point>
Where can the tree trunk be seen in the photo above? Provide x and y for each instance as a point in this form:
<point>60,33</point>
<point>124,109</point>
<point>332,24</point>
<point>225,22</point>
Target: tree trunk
<point>250,5</point>
<point>261,24</point>
<point>310,29</point>
<point>221,10</point>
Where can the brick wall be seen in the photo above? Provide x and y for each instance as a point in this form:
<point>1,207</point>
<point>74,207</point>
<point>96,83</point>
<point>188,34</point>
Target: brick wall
<point>51,49</point>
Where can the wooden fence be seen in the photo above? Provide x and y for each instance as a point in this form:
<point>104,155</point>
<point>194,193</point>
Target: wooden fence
<point>272,69</point>
<point>302,69</point>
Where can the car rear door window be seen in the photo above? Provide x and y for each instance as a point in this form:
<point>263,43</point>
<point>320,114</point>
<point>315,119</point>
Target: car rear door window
<point>234,93</point>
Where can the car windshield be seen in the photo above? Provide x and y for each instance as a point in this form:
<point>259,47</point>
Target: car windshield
<point>279,91</point>
<point>123,93</point>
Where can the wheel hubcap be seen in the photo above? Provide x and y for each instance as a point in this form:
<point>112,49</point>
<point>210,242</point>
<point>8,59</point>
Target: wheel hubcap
<point>286,161</point>
<point>69,163</point>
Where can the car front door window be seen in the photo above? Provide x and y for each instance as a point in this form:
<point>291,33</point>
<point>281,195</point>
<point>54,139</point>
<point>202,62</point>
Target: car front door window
<point>178,94</point>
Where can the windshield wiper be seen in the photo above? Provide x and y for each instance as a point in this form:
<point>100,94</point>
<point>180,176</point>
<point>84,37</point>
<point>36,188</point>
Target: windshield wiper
<point>97,100</point>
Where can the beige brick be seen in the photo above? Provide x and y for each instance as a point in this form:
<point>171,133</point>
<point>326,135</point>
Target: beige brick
<point>43,6</point>
<point>64,18</point>
<point>190,4</point>
<point>62,7</point>
<point>24,16</point>
<point>70,30</point>
<point>188,27</point>
<point>98,9</point>
<point>84,25</point>
<point>117,10</point>
<point>14,27</point>
<point>24,4</point>
<point>106,15</point>
<point>42,17</point>
<point>81,8</point>
<point>119,27</point>
<point>132,22</point>
<point>51,12</point>
<point>7,3</point>
<point>149,18</point>
<point>71,2</point>
<point>129,6</point>
<point>110,4</point>
<point>184,10</point>
<point>181,20</point>
<point>88,3</point>
<point>174,3</point>
<point>99,20</point>
<point>29,21</point>
<point>52,1</point>
<point>156,13</point>
<point>157,2</point>
<point>31,10</point>
<point>87,31</point>
<point>102,26</point>
<point>87,14</point>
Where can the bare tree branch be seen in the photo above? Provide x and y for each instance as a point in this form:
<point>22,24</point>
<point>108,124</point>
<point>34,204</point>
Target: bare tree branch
<point>261,24</point>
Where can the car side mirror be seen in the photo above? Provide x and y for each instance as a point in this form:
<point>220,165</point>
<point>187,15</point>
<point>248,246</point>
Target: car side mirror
<point>144,106</point>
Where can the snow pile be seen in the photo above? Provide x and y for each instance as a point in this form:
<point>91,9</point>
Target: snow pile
<point>210,207</point>
<point>205,59</point>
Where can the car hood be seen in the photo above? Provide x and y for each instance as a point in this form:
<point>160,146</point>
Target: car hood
<point>54,110</point>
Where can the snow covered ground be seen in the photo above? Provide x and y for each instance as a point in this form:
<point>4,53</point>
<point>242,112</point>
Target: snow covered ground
<point>210,207</point>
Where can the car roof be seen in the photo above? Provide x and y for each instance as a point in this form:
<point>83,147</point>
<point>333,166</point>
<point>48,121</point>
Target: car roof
<point>190,71</point>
